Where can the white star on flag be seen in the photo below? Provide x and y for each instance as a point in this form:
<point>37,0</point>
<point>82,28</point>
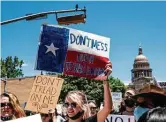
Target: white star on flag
<point>51,48</point>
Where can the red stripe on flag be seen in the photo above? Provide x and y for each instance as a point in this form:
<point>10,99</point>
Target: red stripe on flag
<point>84,65</point>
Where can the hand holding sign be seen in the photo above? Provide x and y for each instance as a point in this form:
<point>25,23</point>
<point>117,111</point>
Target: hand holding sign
<point>107,72</point>
<point>108,69</point>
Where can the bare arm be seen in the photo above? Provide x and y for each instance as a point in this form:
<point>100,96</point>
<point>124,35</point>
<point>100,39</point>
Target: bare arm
<point>102,114</point>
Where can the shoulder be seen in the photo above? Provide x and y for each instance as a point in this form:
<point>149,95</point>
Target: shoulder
<point>92,119</point>
<point>136,109</point>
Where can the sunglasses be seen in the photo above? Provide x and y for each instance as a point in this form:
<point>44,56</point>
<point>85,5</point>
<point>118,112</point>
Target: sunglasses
<point>72,105</point>
<point>6,104</point>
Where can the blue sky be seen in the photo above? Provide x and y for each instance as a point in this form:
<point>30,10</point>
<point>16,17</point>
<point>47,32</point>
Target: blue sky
<point>127,24</point>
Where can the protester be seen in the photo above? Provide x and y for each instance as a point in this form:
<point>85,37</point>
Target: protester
<point>52,116</point>
<point>77,105</point>
<point>129,106</point>
<point>154,115</point>
<point>10,107</point>
<point>142,107</point>
<point>93,108</point>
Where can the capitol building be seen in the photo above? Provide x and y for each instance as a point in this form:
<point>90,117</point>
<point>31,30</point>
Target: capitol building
<point>141,73</point>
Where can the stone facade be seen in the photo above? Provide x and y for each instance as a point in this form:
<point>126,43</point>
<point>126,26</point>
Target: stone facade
<point>141,73</point>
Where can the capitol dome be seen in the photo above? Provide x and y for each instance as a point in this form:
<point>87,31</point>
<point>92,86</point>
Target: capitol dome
<point>141,72</point>
<point>140,57</point>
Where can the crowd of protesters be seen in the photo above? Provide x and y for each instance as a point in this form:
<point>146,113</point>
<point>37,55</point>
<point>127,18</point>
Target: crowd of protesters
<point>78,109</point>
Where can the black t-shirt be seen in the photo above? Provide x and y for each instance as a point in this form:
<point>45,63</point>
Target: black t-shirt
<point>90,119</point>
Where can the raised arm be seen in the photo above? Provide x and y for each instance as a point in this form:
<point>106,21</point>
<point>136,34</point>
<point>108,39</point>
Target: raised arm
<point>102,114</point>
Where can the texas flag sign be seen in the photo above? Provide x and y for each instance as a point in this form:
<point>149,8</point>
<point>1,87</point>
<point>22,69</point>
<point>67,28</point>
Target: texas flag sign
<point>72,52</point>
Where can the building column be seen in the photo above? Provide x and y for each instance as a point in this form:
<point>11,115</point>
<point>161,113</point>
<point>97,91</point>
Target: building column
<point>132,75</point>
<point>144,73</point>
<point>137,74</point>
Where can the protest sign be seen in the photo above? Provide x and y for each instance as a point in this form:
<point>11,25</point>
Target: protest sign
<point>44,94</point>
<point>120,118</point>
<point>32,118</point>
<point>72,52</point>
<point>116,99</point>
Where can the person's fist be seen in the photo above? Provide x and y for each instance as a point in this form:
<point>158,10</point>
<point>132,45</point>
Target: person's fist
<point>108,69</point>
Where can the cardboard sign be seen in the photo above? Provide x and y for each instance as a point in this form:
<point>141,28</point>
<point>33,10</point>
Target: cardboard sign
<point>116,96</point>
<point>33,118</point>
<point>44,94</point>
<point>120,118</point>
<point>116,99</point>
<point>72,52</point>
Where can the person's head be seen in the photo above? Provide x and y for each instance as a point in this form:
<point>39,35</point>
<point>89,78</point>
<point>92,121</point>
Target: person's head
<point>92,107</point>
<point>77,105</point>
<point>10,106</point>
<point>154,115</point>
<point>6,108</point>
<point>141,102</point>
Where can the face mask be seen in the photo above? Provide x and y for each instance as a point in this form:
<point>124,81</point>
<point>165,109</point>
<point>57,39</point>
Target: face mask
<point>129,103</point>
<point>6,118</point>
<point>77,115</point>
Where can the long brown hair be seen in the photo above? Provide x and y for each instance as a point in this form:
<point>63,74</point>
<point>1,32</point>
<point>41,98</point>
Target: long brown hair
<point>18,111</point>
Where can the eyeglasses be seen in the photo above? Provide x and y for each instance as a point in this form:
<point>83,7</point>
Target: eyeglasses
<point>72,105</point>
<point>6,104</point>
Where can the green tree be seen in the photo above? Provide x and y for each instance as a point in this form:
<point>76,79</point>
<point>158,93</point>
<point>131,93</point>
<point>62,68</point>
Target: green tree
<point>117,85</point>
<point>11,67</point>
<point>92,88</point>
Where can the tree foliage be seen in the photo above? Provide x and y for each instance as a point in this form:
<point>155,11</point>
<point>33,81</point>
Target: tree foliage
<point>92,88</point>
<point>11,67</point>
<point>117,85</point>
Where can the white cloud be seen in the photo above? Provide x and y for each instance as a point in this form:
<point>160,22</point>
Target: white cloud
<point>25,65</point>
<point>161,80</point>
<point>126,82</point>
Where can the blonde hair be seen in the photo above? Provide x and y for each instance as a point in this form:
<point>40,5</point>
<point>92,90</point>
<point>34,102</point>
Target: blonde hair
<point>80,98</point>
<point>18,111</point>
